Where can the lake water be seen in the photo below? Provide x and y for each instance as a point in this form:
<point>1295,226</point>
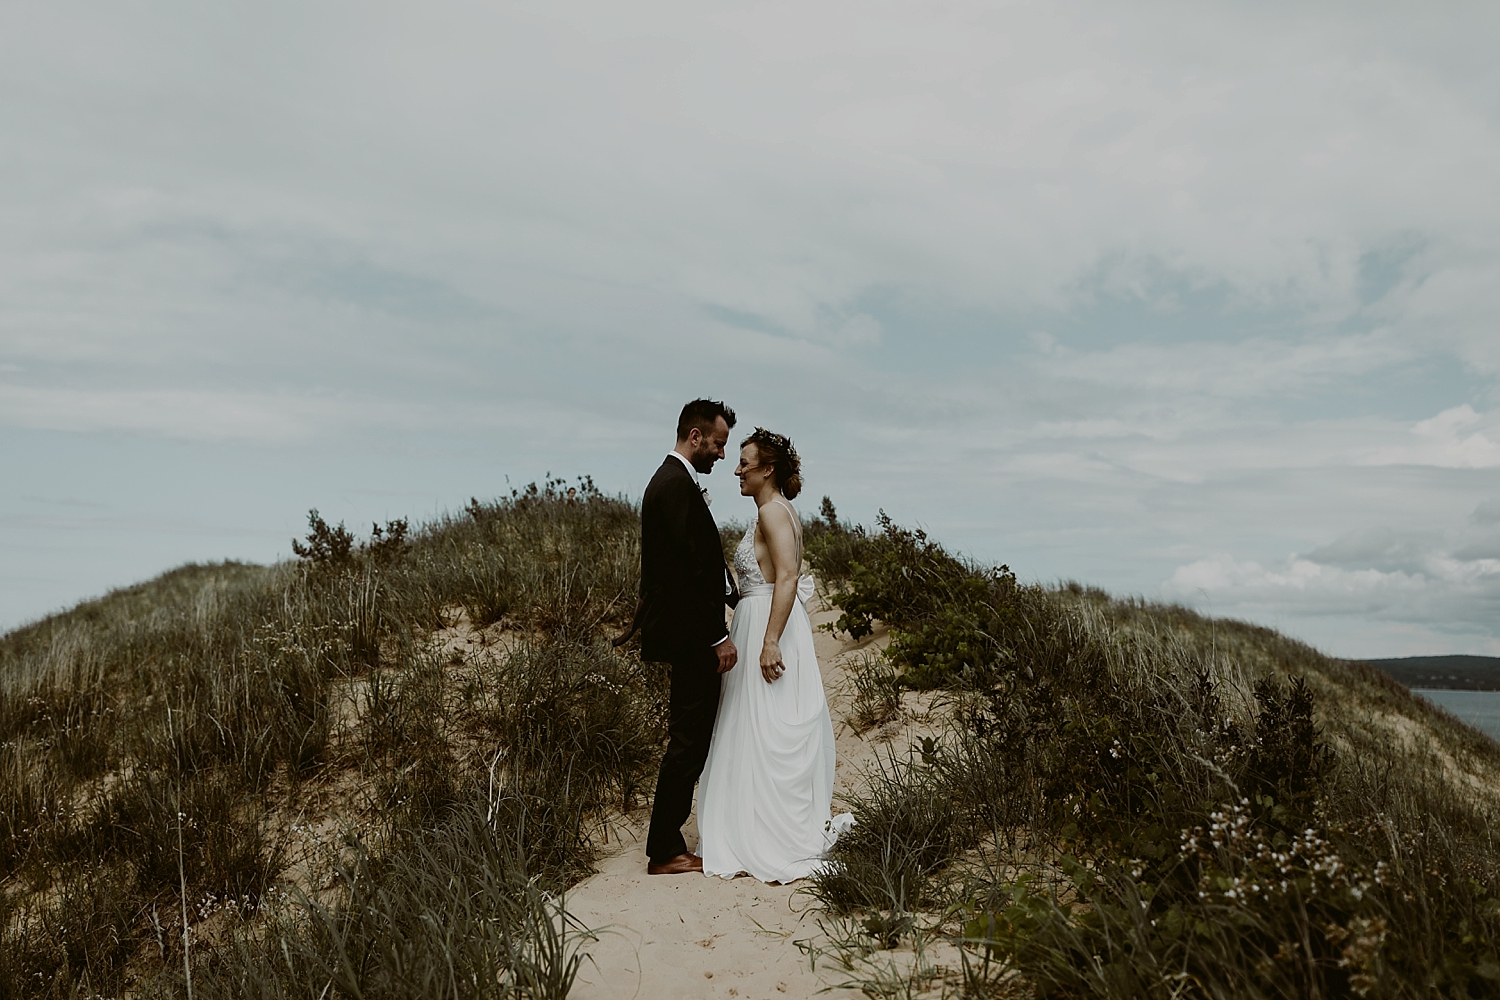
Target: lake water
<point>1480,709</point>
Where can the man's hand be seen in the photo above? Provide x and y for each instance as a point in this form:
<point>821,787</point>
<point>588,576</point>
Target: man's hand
<point>728,655</point>
<point>635,623</point>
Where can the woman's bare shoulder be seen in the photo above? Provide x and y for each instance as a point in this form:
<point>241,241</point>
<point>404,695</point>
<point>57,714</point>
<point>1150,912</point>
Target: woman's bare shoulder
<point>779,522</point>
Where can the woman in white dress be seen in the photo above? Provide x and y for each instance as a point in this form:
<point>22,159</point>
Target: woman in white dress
<point>766,790</point>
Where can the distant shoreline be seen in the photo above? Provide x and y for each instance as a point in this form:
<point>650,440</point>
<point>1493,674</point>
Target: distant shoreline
<point>1442,673</point>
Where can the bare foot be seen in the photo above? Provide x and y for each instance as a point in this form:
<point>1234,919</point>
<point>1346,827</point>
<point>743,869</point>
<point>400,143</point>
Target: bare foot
<point>680,865</point>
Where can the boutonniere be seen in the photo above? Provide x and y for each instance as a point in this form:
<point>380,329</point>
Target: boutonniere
<point>707,497</point>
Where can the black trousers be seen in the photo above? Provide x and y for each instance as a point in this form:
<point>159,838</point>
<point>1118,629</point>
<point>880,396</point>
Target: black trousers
<point>694,702</point>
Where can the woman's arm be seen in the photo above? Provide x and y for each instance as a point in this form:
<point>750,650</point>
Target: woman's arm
<point>780,537</point>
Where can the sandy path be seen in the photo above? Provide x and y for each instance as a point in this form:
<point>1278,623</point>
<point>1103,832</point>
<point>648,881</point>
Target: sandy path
<point>690,936</point>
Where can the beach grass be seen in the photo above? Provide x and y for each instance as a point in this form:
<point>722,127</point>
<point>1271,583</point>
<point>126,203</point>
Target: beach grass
<point>376,770</point>
<point>240,780</point>
<point>1133,800</point>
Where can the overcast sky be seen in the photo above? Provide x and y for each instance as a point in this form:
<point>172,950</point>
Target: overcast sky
<point>1191,301</point>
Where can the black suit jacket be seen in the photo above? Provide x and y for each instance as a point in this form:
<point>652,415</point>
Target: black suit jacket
<point>683,574</point>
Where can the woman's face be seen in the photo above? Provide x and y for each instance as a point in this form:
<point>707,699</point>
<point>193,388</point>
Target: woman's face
<point>752,474</point>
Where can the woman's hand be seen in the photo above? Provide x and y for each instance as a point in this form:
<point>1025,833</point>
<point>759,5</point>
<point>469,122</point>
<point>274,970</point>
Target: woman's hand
<point>771,665</point>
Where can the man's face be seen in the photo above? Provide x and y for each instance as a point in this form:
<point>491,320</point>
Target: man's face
<point>708,450</point>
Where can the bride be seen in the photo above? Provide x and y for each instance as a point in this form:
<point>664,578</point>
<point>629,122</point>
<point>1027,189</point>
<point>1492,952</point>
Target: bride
<point>764,798</point>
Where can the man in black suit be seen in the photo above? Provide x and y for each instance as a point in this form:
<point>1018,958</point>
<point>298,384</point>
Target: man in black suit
<point>685,585</point>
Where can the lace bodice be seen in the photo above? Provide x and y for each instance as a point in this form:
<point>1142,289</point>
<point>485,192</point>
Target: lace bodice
<point>746,567</point>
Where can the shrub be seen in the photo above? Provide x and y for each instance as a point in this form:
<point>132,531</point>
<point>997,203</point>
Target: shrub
<point>327,547</point>
<point>1288,759</point>
<point>1163,813</point>
<point>948,618</point>
<point>388,543</point>
<point>278,679</point>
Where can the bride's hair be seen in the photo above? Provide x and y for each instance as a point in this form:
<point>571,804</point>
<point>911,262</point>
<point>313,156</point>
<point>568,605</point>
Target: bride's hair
<point>776,451</point>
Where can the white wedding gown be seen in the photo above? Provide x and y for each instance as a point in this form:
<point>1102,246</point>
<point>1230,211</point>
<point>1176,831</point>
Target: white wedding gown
<point>767,787</point>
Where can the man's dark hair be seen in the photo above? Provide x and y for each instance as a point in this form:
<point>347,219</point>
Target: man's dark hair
<point>702,413</point>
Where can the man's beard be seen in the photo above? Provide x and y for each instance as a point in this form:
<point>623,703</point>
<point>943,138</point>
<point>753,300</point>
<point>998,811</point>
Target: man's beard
<point>704,460</point>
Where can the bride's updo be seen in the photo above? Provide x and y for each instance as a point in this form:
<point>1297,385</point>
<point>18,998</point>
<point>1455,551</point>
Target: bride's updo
<point>776,451</point>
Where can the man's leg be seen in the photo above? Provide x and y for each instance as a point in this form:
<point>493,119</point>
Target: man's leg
<point>693,704</point>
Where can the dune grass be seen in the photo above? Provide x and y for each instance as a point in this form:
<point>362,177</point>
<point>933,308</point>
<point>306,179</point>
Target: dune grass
<point>1132,800</point>
<point>376,770</point>
<point>160,744</point>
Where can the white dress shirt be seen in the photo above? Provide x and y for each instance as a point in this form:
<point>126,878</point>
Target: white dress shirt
<point>688,466</point>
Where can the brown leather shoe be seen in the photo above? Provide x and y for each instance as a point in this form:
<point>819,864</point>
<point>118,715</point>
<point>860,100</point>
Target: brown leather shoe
<point>680,865</point>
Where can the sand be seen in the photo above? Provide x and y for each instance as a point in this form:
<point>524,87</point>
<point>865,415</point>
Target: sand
<point>688,936</point>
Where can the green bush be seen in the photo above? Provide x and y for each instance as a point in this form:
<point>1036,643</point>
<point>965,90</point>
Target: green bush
<point>949,619</point>
<point>1134,801</point>
<point>216,703</point>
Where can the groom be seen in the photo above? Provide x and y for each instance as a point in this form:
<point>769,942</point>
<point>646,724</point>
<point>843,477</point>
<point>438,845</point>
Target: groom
<point>684,588</point>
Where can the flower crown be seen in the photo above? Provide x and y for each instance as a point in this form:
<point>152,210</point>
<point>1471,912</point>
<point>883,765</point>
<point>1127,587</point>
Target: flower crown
<point>789,462</point>
<point>778,441</point>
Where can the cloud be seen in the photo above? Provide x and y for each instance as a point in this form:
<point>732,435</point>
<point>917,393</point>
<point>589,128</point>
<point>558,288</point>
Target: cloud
<point>1454,439</point>
<point>1444,581</point>
<point>1453,602</point>
<point>992,156</point>
<point>1229,372</point>
<point>174,413</point>
<point>1315,588</point>
<point>1103,292</point>
<point>1385,549</point>
<point>1487,513</point>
